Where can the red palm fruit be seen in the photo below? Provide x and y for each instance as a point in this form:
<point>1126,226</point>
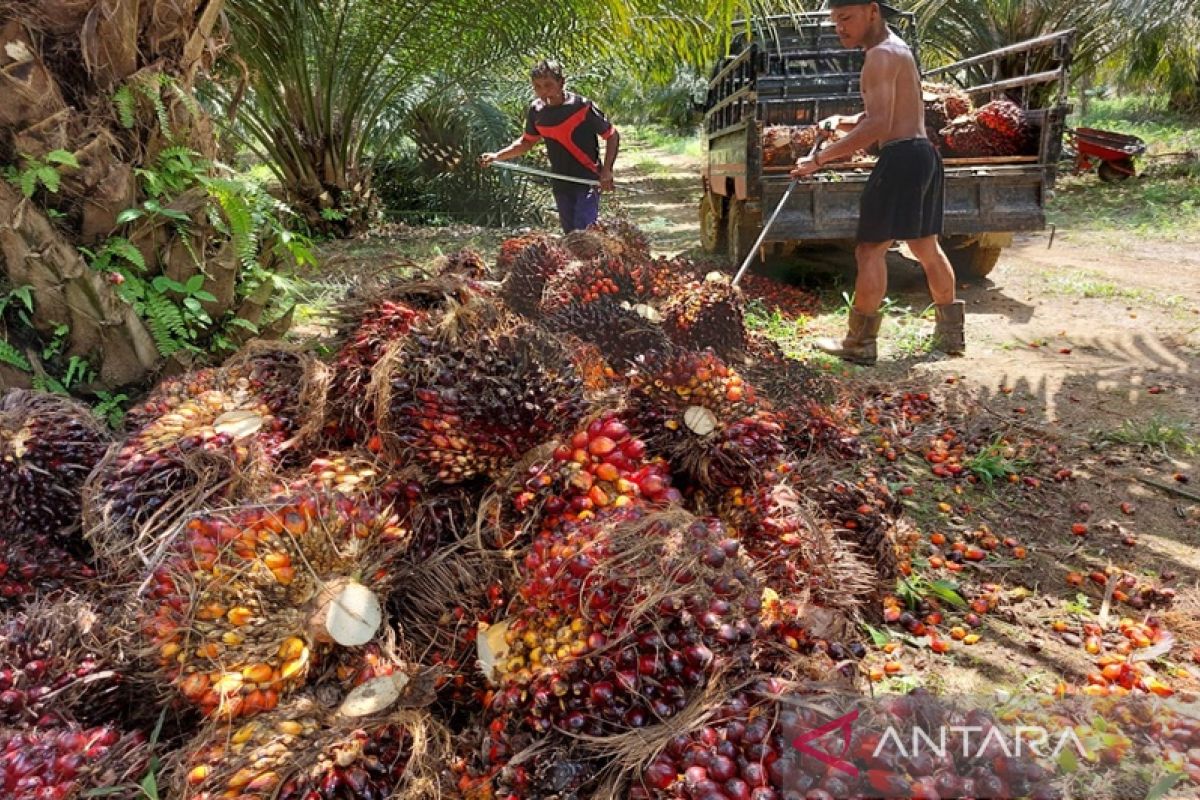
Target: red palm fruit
<point>707,314</point>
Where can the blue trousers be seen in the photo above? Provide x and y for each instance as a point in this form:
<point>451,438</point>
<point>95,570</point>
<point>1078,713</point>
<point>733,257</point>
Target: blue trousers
<point>578,206</point>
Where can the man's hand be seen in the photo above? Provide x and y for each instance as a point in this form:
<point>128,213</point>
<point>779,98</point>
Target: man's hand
<point>829,124</point>
<point>606,180</point>
<point>486,159</point>
<point>805,166</point>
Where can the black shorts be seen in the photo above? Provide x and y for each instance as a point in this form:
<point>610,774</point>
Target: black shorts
<point>905,194</point>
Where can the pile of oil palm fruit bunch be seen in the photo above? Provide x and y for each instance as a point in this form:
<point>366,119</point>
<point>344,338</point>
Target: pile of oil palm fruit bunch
<point>955,126</point>
<point>526,529</point>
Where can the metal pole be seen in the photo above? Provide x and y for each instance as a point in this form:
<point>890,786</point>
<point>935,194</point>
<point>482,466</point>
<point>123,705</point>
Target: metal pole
<point>782,202</point>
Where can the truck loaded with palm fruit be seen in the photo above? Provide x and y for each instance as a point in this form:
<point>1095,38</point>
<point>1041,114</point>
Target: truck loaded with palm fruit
<point>997,118</point>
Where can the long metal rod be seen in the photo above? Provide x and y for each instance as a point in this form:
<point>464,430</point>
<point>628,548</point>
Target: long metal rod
<point>782,202</point>
<point>544,174</point>
<point>763,234</point>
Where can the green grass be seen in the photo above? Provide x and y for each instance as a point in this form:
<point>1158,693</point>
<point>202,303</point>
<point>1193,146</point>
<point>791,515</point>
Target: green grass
<point>651,166</point>
<point>1090,285</point>
<point>1163,200</point>
<point>995,462</point>
<point>1154,433</point>
<point>1164,131</point>
<point>643,136</point>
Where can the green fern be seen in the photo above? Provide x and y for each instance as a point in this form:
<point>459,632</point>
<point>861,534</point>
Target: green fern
<point>124,100</point>
<point>240,216</point>
<point>152,91</point>
<point>166,324</point>
<point>14,357</point>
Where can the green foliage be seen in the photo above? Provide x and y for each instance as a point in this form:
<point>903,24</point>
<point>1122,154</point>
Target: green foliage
<point>259,228</point>
<point>13,357</point>
<point>110,407</point>
<point>124,101</point>
<point>44,171</point>
<point>957,29</point>
<point>1160,49</point>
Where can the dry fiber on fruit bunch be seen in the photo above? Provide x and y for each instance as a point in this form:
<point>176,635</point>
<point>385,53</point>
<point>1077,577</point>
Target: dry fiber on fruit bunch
<point>309,749</point>
<point>443,599</point>
<point>59,663</point>
<point>48,446</point>
<point>246,603</point>
<point>468,394</point>
<point>999,128</point>
<point>207,437</point>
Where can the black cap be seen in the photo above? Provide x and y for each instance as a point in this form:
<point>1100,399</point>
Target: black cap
<point>884,7</point>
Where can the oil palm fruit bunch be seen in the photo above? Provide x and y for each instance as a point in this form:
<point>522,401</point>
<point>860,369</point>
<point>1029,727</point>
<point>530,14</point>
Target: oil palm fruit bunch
<point>707,314</point>
<point>731,455</point>
<point>586,282</point>
<point>620,620</point>
<point>796,556</point>
<point>1005,125</point>
<point>61,762</point>
<point>863,516</point>
<point>305,750</point>
<point>48,445</point>
<point>666,385</point>
<point>784,382</point>
<point>943,104</point>
<point>496,763</point>
<point>203,436</point>
<point>602,466</point>
<point>527,263</point>
<point>966,138</point>
<point>54,665</point>
<point>592,244</point>
<point>621,334</point>
<point>248,601</point>
<point>37,563</point>
<point>471,406</point>
<point>443,600</point>
<point>777,146</point>
<point>466,263</point>
<point>636,243</point>
<point>351,411</point>
<point>658,279</point>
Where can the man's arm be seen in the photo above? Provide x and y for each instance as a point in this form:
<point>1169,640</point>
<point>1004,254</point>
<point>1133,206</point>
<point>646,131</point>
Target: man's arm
<point>879,98</point>
<point>612,144</point>
<point>515,150</point>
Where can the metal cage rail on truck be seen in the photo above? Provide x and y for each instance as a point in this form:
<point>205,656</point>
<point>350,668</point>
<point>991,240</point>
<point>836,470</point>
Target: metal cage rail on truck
<point>792,70</point>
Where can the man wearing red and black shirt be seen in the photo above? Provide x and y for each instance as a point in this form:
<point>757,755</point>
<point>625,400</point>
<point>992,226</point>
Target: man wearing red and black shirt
<point>571,126</point>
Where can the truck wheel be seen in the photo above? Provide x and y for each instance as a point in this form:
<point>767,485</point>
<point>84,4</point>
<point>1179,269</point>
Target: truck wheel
<point>973,261</point>
<point>712,223</point>
<point>742,229</point>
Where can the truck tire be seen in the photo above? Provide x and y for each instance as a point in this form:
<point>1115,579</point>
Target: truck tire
<point>712,223</point>
<point>742,228</point>
<point>974,261</point>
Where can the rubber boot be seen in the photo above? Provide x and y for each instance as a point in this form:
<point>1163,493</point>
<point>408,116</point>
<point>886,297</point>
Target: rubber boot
<point>948,334</point>
<point>859,345</point>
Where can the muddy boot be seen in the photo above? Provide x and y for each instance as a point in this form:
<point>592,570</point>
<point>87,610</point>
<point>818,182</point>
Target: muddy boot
<point>948,334</point>
<point>859,345</point>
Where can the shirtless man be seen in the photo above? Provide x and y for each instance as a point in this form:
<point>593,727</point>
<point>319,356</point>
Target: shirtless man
<point>904,196</point>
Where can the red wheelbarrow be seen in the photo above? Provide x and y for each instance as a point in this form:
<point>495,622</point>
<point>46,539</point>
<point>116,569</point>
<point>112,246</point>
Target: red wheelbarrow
<point>1111,153</point>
